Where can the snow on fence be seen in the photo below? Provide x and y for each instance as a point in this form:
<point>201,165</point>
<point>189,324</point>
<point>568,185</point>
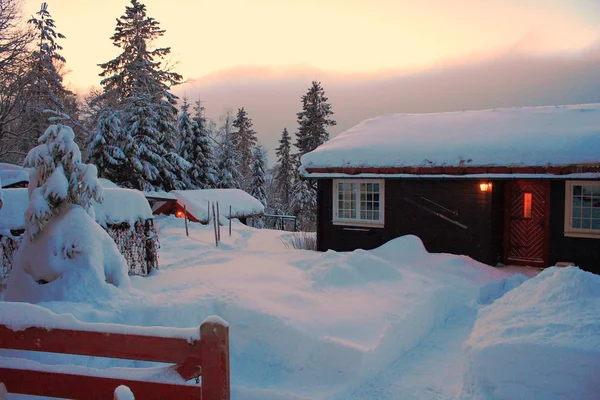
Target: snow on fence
<point>124,214</point>
<point>204,353</point>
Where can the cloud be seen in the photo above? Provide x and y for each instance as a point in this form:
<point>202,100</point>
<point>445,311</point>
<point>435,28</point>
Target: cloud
<point>272,95</point>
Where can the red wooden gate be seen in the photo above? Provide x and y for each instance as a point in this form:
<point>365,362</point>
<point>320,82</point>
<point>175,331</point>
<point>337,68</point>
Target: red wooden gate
<point>527,223</point>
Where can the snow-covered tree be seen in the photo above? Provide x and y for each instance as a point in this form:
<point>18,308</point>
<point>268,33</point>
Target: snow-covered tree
<point>284,177</point>
<point>45,90</point>
<point>304,204</point>
<point>185,131</point>
<point>313,120</point>
<point>202,171</point>
<point>257,184</point>
<point>105,149</point>
<point>228,175</point>
<point>59,177</point>
<point>141,84</point>
<point>244,139</point>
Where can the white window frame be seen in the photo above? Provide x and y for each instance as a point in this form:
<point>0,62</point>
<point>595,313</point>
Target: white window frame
<point>569,230</point>
<point>358,221</point>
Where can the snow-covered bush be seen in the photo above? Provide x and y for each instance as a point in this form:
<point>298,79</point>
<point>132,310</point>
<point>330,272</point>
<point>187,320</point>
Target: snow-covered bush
<point>65,254</point>
<point>59,177</point>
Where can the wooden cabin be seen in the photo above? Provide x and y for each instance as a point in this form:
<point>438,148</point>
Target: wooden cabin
<point>517,186</point>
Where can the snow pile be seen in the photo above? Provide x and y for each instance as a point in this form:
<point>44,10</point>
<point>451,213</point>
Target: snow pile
<point>529,136</point>
<point>107,184</point>
<point>348,269</point>
<point>541,340</point>
<point>196,202</point>
<point>122,205</point>
<point>71,259</point>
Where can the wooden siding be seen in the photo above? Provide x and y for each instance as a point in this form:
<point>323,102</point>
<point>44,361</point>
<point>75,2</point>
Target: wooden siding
<point>583,252</point>
<point>406,212</point>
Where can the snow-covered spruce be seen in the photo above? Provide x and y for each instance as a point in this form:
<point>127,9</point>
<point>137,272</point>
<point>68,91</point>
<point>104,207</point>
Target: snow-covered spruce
<point>65,254</point>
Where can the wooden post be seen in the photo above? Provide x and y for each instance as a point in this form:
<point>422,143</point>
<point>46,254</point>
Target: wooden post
<point>208,206</point>
<point>214,339</point>
<point>218,223</point>
<point>215,225</point>
<point>229,220</point>
<point>187,232</point>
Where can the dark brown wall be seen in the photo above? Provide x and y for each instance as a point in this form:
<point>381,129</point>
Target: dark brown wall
<point>583,252</point>
<point>480,212</point>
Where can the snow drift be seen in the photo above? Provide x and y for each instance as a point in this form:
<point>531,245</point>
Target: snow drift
<point>72,259</point>
<point>539,341</point>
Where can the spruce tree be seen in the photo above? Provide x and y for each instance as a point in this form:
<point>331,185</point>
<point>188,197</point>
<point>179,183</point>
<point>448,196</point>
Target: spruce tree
<point>45,91</point>
<point>185,131</point>
<point>104,149</point>
<point>140,82</point>
<point>313,120</point>
<point>244,140</point>
<point>257,184</point>
<point>202,171</point>
<point>284,177</point>
<point>228,176</point>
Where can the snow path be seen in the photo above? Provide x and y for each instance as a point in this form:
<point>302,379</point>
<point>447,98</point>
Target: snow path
<point>432,370</point>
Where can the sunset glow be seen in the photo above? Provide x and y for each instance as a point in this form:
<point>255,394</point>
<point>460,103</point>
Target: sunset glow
<point>345,36</point>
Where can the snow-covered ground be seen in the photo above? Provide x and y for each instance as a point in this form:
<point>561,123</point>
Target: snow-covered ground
<point>382,324</point>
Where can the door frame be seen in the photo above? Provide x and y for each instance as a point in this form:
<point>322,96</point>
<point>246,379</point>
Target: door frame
<point>546,219</point>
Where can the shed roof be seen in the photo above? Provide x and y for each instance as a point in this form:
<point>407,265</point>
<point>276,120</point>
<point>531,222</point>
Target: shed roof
<point>196,202</point>
<point>514,138</point>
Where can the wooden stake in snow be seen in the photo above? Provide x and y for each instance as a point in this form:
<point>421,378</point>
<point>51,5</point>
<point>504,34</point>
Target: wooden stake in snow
<point>215,225</point>
<point>187,232</point>
<point>229,220</point>
<point>218,223</point>
<point>208,206</point>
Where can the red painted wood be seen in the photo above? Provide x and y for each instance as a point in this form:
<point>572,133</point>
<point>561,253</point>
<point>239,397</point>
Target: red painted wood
<point>215,360</point>
<point>436,170</point>
<point>209,356</point>
<point>112,345</point>
<point>54,384</point>
<point>528,237</point>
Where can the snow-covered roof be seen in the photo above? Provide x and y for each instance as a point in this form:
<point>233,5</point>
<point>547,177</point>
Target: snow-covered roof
<point>119,205</point>
<point>527,136</point>
<point>160,196</point>
<point>11,174</point>
<point>196,202</point>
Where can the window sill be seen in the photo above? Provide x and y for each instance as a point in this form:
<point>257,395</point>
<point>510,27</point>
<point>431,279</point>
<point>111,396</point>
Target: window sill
<point>588,235</point>
<point>361,224</point>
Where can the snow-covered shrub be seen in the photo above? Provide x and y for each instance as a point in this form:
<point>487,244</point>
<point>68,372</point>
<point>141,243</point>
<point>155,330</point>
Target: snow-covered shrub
<point>123,393</point>
<point>59,177</point>
<point>65,254</point>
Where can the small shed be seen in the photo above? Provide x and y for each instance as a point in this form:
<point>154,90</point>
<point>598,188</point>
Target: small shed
<point>124,214</point>
<point>198,204</point>
<point>514,186</point>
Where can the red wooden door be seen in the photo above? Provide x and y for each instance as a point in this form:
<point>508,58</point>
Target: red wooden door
<point>527,228</point>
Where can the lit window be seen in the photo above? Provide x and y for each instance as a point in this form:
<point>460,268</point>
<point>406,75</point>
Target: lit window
<point>358,202</point>
<point>526,205</point>
<point>582,209</point>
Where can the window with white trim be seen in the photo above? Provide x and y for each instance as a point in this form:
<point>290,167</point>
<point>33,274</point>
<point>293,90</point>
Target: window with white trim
<point>582,209</point>
<point>358,202</point>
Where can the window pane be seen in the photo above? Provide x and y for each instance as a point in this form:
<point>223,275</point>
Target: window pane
<point>586,212</point>
<point>585,224</point>
<point>376,187</point>
<point>595,212</point>
<point>527,198</point>
<point>577,212</point>
<point>376,215</point>
<point>595,191</point>
<point>596,224</point>
<point>577,190</point>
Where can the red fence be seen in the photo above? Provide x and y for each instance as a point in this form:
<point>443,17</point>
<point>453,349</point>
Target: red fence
<point>207,357</point>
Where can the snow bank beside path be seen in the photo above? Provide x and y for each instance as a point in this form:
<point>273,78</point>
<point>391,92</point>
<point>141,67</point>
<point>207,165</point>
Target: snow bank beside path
<point>540,341</point>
